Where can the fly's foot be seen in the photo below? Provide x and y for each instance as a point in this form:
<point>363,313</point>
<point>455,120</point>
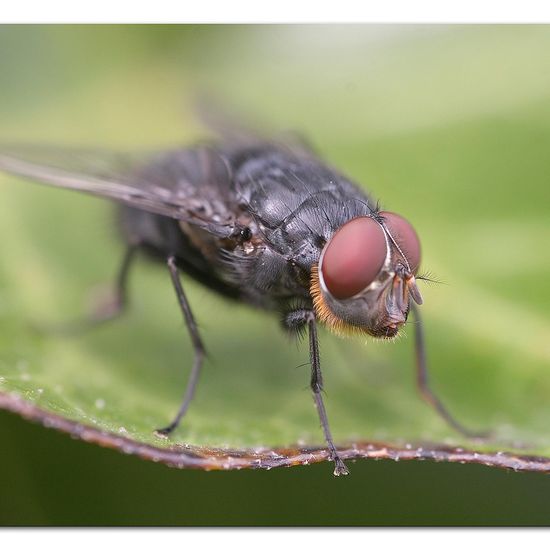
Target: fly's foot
<point>165,432</point>
<point>110,305</point>
<point>340,469</point>
<point>432,400</point>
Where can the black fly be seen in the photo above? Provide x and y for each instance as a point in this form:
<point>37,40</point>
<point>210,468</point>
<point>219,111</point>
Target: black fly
<point>258,222</point>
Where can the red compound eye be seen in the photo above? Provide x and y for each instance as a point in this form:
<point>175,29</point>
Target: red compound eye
<point>353,257</point>
<point>405,236</point>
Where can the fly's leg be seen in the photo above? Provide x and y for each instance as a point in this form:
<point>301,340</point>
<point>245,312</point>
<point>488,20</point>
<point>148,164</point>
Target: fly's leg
<point>106,310</point>
<point>197,346</point>
<point>423,384</point>
<point>117,304</point>
<point>296,320</point>
<point>317,387</point>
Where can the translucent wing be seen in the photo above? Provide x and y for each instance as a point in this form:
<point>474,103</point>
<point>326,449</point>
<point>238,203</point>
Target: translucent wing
<point>238,130</point>
<point>192,185</point>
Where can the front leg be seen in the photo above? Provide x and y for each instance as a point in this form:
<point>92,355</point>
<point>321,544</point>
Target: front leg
<point>297,320</point>
<point>423,384</point>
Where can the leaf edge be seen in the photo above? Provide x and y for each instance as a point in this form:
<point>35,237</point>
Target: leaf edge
<point>207,458</point>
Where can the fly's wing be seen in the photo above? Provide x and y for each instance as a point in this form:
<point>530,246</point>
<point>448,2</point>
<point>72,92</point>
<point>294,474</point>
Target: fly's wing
<point>240,132</point>
<point>191,185</point>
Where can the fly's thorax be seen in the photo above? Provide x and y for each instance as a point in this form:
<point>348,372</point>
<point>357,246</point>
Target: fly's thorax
<point>365,277</point>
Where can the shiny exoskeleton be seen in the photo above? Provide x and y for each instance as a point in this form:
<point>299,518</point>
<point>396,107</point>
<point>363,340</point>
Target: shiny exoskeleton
<point>270,214</point>
<point>258,222</point>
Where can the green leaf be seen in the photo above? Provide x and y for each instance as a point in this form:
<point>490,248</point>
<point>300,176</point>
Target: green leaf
<point>463,155</point>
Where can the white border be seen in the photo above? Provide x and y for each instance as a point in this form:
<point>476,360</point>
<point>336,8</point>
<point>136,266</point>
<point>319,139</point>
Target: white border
<point>245,539</point>
<point>280,11</point>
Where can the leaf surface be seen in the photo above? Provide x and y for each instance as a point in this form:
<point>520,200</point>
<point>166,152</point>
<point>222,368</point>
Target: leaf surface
<point>474,184</point>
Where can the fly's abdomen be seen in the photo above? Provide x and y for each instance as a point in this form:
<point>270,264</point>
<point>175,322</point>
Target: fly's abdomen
<point>160,237</point>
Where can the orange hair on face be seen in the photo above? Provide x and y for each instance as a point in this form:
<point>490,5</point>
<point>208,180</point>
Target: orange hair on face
<point>323,312</point>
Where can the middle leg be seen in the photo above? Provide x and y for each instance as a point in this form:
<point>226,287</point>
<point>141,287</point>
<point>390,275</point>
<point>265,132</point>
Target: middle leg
<point>197,346</point>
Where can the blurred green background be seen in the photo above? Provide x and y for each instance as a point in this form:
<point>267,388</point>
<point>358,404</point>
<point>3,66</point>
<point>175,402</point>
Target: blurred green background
<point>448,125</point>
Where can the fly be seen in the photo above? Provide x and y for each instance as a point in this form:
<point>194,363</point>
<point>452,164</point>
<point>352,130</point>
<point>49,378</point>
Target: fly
<point>258,222</point>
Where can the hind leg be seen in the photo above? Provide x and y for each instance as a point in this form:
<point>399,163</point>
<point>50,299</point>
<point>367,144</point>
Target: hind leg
<point>109,307</point>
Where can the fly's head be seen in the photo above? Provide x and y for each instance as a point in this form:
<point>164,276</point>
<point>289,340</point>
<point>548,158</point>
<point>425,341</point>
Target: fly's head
<point>365,278</point>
